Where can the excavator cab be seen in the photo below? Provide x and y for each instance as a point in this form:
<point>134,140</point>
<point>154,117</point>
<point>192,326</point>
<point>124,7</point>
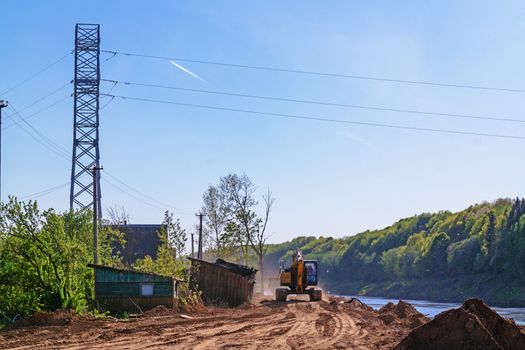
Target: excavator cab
<point>297,279</point>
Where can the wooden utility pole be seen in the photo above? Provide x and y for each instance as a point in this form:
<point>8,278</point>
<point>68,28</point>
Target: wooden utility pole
<point>192,246</point>
<point>3,104</point>
<point>199,251</point>
<point>95,215</point>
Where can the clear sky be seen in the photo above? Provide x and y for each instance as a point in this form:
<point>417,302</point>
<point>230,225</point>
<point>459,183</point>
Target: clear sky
<point>328,179</point>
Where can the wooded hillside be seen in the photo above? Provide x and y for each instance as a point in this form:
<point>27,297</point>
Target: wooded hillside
<point>479,251</point>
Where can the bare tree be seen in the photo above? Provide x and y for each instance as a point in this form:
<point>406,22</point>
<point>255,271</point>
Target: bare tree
<point>258,237</point>
<point>117,216</point>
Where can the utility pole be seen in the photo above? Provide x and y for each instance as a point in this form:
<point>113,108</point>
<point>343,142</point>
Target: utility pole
<point>95,214</point>
<point>199,251</point>
<point>192,246</point>
<point>3,104</point>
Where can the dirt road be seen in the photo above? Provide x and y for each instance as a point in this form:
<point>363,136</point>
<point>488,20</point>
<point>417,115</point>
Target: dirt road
<point>265,325</point>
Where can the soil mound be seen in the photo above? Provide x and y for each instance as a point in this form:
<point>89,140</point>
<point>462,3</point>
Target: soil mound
<point>401,312</point>
<point>60,317</point>
<point>195,308</point>
<point>354,302</point>
<point>401,309</point>
<point>159,310</point>
<point>472,326</point>
<point>358,304</point>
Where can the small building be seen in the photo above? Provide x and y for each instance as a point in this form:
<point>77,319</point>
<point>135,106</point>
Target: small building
<point>222,282</point>
<point>141,240</point>
<point>119,290</point>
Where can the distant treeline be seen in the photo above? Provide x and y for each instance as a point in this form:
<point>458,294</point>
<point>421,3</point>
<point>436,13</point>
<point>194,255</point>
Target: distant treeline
<point>445,256</point>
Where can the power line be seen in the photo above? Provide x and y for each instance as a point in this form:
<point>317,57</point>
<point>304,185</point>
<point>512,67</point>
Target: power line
<point>46,96</point>
<point>323,103</point>
<point>61,152</point>
<point>38,112</point>
<point>43,143</point>
<point>331,120</point>
<point>325,74</point>
<point>147,196</point>
<point>44,192</point>
<point>41,99</point>
<point>58,149</point>
<point>131,195</point>
<point>108,92</point>
<point>35,74</point>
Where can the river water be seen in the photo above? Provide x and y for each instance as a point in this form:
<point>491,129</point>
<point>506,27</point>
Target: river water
<point>431,309</point>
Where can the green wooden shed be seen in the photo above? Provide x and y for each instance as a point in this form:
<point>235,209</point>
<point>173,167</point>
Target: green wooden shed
<point>120,290</point>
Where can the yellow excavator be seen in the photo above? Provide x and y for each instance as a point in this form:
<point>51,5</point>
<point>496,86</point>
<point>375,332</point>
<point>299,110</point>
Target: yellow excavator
<point>297,278</point>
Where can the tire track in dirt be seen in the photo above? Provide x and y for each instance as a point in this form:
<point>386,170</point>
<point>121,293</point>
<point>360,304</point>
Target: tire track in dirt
<point>243,333</point>
<point>265,325</point>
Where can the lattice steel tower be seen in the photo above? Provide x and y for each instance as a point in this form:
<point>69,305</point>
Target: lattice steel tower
<point>86,153</point>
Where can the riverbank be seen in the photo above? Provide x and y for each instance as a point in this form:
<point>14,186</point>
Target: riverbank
<point>496,292</point>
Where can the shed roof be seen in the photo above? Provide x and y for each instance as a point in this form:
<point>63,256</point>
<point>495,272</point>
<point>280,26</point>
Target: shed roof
<point>241,270</point>
<point>96,266</point>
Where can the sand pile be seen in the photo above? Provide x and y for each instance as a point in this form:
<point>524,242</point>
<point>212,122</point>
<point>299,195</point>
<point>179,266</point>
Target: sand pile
<point>354,302</point>
<point>159,310</point>
<point>401,313</point>
<point>196,308</point>
<point>472,326</point>
<point>60,317</point>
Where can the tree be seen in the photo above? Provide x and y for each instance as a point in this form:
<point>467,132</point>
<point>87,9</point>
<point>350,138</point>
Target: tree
<point>175,234</point>
<point>244,225</point>
<point>170,253</point>
<point>257,237</point>
<point>117,216</point>
<point>44,257</point>
<point>215,218</point>
<point>238,194</point>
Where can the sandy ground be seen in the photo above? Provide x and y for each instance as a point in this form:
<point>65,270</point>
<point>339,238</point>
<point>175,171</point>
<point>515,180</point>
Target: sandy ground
<point>266,324</point>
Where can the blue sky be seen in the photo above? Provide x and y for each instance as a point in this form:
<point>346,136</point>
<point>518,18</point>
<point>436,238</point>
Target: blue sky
<point>329,179</point>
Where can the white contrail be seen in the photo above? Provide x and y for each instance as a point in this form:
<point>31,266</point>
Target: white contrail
<point>187,71</point>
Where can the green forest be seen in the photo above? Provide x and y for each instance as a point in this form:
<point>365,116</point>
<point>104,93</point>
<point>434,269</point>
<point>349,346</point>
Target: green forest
<point>445,256</point>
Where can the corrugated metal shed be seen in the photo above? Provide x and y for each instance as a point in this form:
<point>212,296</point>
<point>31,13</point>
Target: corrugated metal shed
<point>222,282</point>
<point>119,290</point>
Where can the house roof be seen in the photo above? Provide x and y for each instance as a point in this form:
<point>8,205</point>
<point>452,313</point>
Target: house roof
<point>141,240</point>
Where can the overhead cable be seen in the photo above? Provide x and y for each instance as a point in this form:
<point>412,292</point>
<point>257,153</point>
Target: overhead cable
<point>323,103</point>
<point>320,119</point>
<point>35,74</point>
<point>145,195</point>
<point>43,109</point>
<point>325,74</point>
